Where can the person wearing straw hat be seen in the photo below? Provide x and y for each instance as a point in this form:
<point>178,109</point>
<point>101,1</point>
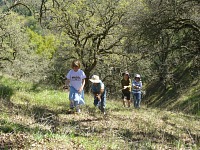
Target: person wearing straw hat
<point>126,88</point>
<point>99,92</point>
<point>75,82</point>
<point>136,90</point>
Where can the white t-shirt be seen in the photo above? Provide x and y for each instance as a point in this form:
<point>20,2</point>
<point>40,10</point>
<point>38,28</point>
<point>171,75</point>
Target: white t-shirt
<point>76,78</point>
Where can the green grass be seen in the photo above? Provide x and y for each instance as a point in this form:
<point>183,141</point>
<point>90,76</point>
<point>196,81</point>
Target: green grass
<point>37,117</point>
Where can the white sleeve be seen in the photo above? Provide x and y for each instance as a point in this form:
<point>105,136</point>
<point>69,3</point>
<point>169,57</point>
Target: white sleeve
<point>102,85</point>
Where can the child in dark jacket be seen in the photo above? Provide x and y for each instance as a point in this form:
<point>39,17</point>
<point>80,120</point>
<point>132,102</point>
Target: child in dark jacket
<point>126,88</point>
<point>99,92</point>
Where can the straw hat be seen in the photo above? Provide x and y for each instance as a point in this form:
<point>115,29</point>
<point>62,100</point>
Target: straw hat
<point>95,79</point>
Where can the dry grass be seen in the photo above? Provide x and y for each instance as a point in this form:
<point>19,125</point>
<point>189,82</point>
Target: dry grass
<point>36,123</point>
<point>121,129</point>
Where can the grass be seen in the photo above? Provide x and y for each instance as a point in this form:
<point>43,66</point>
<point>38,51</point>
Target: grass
<point>183,99</point>
<point>35,117</point>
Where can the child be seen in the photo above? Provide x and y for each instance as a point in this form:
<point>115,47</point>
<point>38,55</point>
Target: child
<point>137,86</point>
<point>126,88</point>
<point>99,92</point>
<point>76,82</point>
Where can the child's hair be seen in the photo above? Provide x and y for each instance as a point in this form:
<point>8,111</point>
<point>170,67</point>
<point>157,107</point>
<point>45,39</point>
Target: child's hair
<point>76,63</point>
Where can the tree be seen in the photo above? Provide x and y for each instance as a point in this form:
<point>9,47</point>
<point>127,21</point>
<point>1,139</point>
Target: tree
<point>168,35</point>
<point>25,48</point>
<point>92,29</point>
<point>11,37</point>
<point>10,32</point>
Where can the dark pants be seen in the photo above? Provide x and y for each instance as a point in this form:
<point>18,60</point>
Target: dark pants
<point>101,103</point>
<point>126,95</point>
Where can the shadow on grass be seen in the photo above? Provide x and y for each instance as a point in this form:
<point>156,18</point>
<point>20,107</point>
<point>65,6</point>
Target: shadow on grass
<point>15,135</point>
<point>191,105</point>
<point>194,136</point>
<point>5,93</point>
<point>158,96</point>
<point>163,96</point>
<point>140,136</point>
<point>10,127</point>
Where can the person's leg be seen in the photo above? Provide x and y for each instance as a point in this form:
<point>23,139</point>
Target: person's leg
<point>96,101</point>
<point>77,106</point>
<point>103,102</point>
<point>134,100</point>
<point>139,99</point>
<point>71,104</point>
<point>123,99</point>
<point>128,99</point>
<point>71,99</point>
<point>78,110</point>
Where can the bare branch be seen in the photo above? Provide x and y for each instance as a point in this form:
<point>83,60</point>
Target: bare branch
<point>18,4</point>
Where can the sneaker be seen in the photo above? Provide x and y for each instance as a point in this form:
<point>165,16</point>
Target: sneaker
<point>78,110</point>
<point>103,111</point>
<point>71,105</point>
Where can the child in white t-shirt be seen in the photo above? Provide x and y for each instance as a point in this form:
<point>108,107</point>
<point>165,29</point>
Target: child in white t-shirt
<point>76,82</point>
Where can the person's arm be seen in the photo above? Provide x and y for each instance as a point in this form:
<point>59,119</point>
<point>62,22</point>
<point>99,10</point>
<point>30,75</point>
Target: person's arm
<point>101,91</point>
<point>122,84</point>
<point>98,95</point>
<point>67,81</point>
<point>129,85</point>
<point>82,86</point>
<point>140,86</point>
<point>133,85</point>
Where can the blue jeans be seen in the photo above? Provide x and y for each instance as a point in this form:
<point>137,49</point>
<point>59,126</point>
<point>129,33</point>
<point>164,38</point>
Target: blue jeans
<point>137,99</point>
<point>75,97</point>
<point>102,103</point>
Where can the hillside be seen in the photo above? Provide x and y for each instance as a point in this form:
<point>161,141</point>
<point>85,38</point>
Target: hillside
<point>37,117</point>
<point>182,95</point>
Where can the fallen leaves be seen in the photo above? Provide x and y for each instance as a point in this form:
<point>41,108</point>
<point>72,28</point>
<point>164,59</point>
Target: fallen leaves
<point>13,140</point>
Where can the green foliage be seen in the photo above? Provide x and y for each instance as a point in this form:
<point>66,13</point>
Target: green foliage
<point>45,45</point>
<point>33,24</point>
<point>12,37</point>
<point>165,36</point>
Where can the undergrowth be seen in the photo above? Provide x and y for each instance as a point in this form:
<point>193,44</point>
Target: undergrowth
<point>36,117</point>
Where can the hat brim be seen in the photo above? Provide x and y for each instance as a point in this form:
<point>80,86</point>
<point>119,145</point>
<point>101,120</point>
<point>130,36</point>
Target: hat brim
<point>137,77</point>
<point>95,81</point>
